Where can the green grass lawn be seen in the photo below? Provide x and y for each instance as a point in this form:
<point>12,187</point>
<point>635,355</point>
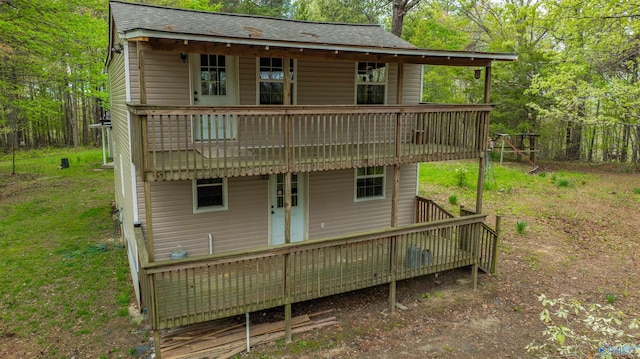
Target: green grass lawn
<point>62,269</point>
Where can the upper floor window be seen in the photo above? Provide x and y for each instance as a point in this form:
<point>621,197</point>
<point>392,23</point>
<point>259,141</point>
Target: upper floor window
<point>209,195</point>
<point>369,183</point>
<point>271,81</point>
<point>371,81</point>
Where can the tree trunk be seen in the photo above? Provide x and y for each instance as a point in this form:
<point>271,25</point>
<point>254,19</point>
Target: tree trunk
<point>400,9</point>
<point>592,142</point>
<point>625,142</point>
<point>573,137</point>
<point>12,116</point>
<point>397,20</point>
<point>85,122</point>
<point>74,117</point>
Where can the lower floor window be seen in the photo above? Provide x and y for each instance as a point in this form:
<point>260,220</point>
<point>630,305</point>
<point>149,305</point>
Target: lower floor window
<point>210,194</point>
<point>369,183</point>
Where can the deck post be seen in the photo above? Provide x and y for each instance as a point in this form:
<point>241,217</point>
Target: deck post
<point>483,140</point>
<point>287,298</point>
<point>287,198</point>
<point>396,190</point>
<point>147,185</point>
<point>487,83</point>
<point>494,249</point>
<point>156,343</point>
<point>474,267</point>
<point>392,268</point>
<point>481,169</point>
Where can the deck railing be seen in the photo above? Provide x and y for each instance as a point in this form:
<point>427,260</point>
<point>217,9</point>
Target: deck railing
<point>186,142</point>
<point>193,290</point>
<point>427,210</point>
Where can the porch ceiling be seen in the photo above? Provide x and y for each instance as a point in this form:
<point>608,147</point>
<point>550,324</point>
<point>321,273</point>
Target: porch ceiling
<point>178,43</point>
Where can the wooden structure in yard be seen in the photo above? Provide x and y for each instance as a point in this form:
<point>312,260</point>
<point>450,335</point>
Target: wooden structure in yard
<point>261,162</point>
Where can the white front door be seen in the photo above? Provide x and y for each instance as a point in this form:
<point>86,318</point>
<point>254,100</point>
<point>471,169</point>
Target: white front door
<point>276,188</point>
<point>214,84</point>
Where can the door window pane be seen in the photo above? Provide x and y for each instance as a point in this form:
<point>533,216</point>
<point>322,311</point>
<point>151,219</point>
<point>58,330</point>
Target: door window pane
<point>213,75</point>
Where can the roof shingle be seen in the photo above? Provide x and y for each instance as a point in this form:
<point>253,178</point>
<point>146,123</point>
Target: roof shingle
<point>129,17</point>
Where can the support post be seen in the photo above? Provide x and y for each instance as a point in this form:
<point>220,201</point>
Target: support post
<point>156,343</point>
<point>494,249</point>
<point>287,321</point>
<point>247,323</point>
<point>396,191</point>
<point>485,130</point>
<point>475,235</point>
<point>481,169</point>
<point>392,267</point>
<point>487,84</point>
<point>287,198</point>
<point>104,146</point>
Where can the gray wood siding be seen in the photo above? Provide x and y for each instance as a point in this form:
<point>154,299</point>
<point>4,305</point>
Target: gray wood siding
<point>133,73</point>
<point>122,159</point>
<point>247,80</point>
<point>120,130</point>
<point>326,83</point>
<point>392,83</point>
<point>167,78</point>
<point>331,201</point>
<point>244,225</point>
<point>412,90</point>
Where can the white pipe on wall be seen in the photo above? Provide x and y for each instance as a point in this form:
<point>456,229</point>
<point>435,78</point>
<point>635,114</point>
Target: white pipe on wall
<point>210,244</point>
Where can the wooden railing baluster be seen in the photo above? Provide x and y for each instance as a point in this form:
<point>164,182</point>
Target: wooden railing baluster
<point>249,140</point>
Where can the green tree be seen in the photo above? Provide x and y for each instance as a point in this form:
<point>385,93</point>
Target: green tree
<point>344,11</point>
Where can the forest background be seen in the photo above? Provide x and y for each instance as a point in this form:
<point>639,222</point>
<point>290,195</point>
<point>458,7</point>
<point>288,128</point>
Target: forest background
<point>576,82</point>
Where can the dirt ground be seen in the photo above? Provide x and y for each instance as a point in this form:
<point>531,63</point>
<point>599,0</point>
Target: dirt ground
<point>580,243</point>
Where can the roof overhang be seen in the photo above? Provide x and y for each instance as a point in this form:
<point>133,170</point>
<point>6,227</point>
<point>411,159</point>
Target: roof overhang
<point>197,43</point>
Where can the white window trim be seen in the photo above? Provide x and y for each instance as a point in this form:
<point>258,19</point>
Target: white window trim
<point>358,82</point>
<point>294,95</point>
<point>225,199</point>
<point>384,185</point>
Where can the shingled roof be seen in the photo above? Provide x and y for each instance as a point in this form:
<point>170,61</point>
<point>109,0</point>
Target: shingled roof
<point>129,17</point>
<point>353,41</point>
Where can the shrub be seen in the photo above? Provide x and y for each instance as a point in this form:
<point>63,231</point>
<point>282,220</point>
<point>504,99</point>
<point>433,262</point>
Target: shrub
<point>453,199</point>
<point>520,226</point>
<point>565,183</point>
<point>461,177</point>
<point>577,330</point>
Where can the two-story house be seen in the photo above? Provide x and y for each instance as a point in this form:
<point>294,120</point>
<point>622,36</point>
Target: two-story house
<point>261,162</point>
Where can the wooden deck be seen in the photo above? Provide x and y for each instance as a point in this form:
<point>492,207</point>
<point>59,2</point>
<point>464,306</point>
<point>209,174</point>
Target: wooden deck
<point>218,162</point>
<point>188,142</point>
<point>200,289</point>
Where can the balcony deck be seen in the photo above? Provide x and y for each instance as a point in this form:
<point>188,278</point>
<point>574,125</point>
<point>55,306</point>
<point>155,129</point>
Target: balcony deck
<point>213,162</point>
<point>203,142</point>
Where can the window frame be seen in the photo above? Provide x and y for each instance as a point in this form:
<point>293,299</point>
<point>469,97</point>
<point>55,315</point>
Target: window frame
<point>356,177</point>
<point>205,209</point>
<point>294,84</point>
<point>359,82</point>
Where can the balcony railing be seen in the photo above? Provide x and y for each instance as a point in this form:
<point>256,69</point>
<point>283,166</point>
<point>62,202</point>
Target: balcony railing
<point>194,290</point>
<point>189,142</point>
